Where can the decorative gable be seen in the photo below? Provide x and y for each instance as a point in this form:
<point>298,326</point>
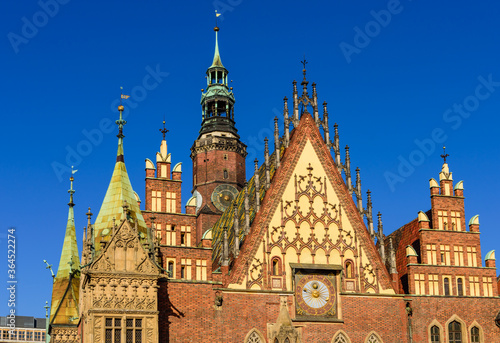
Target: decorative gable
<point>125,253</point>
<point>308,217</point>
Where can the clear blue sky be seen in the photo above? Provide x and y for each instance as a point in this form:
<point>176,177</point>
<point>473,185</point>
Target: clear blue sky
<point>423,67</point>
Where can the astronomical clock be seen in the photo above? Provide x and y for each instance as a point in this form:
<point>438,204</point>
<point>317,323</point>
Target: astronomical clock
<point>316,291</point>
<point>223,195</point>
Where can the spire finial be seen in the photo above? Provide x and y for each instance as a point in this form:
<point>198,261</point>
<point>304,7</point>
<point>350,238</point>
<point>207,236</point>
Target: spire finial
<point>120,122</point>
<point>304,62</point>
<point>164,130</point>
<point>71,191</point>
<point>217,60</point>
<point>89,216</point>
<point>444,155</point>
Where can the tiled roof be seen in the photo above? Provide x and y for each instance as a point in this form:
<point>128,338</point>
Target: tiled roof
<point>119,190</point>
<point>67,281</point>
<point>227,218</point>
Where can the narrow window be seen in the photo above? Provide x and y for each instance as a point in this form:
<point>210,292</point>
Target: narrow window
<point>435,336</point>
<point>455,332</point>
<point>171,269</point>
<point>446,286</point>
<point>275,267</point>
<point>182,272</point>
<point>348,270</point>
<point>460,287</point>
<point>226,174</point>
<point>474,335</point>
<point>225,156</point>
<point>183,238</point>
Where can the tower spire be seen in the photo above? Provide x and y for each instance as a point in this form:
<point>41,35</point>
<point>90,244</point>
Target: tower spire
<point>119,190</point>
<point>65,291</point>
<point>217,62</point>
<point>217,101</point>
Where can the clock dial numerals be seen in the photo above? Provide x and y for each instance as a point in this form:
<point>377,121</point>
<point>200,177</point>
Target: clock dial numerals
<point>223,195</point>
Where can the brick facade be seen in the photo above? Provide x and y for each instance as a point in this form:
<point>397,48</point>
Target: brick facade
<point>299,263</point>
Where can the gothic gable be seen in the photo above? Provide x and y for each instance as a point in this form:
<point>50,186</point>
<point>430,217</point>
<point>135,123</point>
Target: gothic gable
<point>308,217</point>
<point>124,253</point>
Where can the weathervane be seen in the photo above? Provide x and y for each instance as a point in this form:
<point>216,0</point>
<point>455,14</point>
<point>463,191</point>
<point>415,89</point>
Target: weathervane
<point>164,130</point>
<point>444,155</point>
<point>217,15</point>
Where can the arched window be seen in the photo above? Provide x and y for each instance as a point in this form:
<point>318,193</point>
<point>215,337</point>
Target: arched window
<point>171,269</point>
<point>276,340</point>
<point>349,270</point>
<point>373,338</point>
<point>446,286</point>
<point>435,334</point>
<point>455,332</point>
<point>460,287</point>
<point>254,337</point>
<point>276,266</point>
<point>341,338</point>
<point>226,174</point>
<point>287,340</point>
<point>474,335</point>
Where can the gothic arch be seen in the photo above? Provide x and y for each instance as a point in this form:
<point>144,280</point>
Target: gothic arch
<point>463,328</point>
<point>339,335</point>
<point>441,330</point>
<point>254,336</point>
<point>373,337</point>
<point>481,332</point>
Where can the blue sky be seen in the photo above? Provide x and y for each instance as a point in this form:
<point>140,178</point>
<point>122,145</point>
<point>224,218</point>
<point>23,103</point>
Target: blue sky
<point>401,79</point>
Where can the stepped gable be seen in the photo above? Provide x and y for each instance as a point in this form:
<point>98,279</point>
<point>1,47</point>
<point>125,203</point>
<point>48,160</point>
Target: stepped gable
<point>306,131</point>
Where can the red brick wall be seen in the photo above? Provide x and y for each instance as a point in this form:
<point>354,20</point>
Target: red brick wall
<point>482,310</point>
<point>188,314</point>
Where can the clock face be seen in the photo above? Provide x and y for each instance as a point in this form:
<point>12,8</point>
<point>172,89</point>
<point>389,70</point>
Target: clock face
<point>315,295</point>
<point>223,195</point>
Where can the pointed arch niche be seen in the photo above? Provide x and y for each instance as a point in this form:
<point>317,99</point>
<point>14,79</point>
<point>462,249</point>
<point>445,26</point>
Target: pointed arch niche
<point>254,336</point>
<point>341,337</point>
<point>435,323</point>
<point>373,337</point>
<point>463,328</point>
<point>475,324</point>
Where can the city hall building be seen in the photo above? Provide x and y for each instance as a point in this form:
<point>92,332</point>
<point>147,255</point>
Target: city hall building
<point>292,254</point>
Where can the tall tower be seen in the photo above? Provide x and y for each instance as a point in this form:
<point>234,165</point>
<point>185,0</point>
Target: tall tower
<point>218,154</point>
